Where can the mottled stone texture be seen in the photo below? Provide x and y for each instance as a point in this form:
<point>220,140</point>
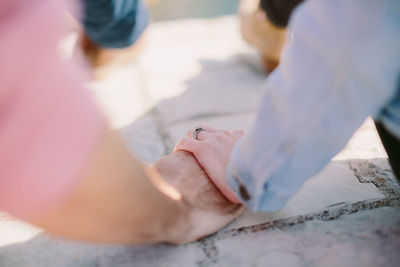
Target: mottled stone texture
<point>366,238</point>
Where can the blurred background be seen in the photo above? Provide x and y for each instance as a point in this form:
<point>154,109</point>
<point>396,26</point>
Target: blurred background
<point>178,9</point>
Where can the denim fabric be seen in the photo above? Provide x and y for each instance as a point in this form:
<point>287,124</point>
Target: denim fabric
<point>114,23</point>
<point>341,65</point>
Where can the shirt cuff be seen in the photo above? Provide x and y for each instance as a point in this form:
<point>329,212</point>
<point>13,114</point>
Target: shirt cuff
<point>254,194</point>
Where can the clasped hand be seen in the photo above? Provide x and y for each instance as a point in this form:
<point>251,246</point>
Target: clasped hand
<point>199,177</point>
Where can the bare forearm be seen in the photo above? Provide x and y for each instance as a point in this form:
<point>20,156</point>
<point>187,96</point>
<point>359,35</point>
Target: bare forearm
<point>122,201</point>
<point>117,202</point>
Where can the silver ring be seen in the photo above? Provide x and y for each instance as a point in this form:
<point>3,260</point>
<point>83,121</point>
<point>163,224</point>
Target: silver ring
<point>196,132</point>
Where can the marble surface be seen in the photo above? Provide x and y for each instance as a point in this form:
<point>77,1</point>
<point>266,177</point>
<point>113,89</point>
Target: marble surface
<point>336,185</point>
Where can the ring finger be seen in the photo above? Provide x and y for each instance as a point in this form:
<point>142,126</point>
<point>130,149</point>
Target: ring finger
<point>201,135</point>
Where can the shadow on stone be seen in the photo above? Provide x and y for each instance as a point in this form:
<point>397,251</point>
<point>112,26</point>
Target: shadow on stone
<point>44,250</point>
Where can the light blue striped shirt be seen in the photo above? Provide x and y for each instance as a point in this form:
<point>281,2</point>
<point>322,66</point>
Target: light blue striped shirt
<point>341,65</point>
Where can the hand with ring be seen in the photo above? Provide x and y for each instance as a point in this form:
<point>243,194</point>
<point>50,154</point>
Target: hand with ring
<point>212,149</point>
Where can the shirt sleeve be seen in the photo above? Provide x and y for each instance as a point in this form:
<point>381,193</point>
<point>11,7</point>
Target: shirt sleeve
<point>341,64</point>
<point>49,124</point>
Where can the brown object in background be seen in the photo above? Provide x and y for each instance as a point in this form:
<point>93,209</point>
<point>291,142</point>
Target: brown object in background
<point>260,32</point>
<point>103,60</point>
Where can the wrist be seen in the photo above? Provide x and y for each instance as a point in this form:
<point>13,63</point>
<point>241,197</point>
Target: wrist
<point>174,224</point>
<point>181,228</point>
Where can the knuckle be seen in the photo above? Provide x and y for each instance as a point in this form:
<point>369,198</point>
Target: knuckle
<point>239,133</point>
<point>226,132</point>
<point>202,147</point>
<point>205,146</point>
<point>220,136</point>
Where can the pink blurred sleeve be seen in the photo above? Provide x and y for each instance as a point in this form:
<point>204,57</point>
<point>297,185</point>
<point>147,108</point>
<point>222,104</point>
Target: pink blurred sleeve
<point>49,123</point>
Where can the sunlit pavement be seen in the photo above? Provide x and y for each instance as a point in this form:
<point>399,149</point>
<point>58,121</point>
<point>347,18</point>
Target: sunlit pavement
<point>200,71</point>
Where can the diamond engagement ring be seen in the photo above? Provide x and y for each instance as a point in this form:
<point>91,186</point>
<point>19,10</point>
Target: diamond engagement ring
<point>196,131</point>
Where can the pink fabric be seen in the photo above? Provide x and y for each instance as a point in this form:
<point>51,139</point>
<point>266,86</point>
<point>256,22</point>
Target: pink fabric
<point>49,124</point>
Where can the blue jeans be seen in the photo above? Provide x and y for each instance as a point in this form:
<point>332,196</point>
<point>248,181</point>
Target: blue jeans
<point>114,23</point>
